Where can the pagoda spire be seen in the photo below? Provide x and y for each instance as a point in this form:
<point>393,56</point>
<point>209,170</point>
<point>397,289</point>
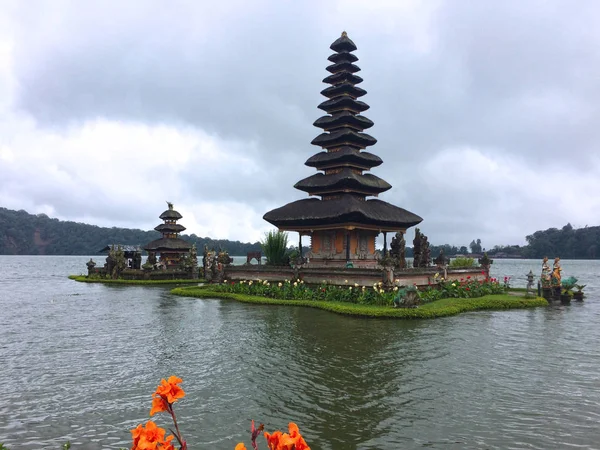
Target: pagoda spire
<point>339,216</point>
<point>343,139</point>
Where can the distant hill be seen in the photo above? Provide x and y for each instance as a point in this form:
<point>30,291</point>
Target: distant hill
<point>22,233</point>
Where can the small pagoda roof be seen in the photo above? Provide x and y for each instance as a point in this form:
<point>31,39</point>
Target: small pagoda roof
<point>345,136</point>
<point>170,227</point>
<point>170,214</point>
<point>341,77</point>
<point>343,103</point>
<point>342,66</point>
<point>347,210</point>
<point>343,181</point>
<point>343,118</point>
<point>343,44</point>
<point>343,89</point>
<point>343,57</point>
<point>344,156</point>
<point>163,244</point>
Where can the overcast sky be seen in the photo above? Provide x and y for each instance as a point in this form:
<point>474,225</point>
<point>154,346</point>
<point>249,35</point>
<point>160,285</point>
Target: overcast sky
<point>486,112</point>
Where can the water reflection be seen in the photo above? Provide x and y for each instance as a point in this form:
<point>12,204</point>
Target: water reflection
<point>89,356</point>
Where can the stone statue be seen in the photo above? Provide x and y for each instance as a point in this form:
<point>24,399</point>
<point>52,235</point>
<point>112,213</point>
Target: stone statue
<point>120,263</point>
<point>556,270</point>
<point>486,262</point>
<point>152,258</point>
<point>407,297</point>
<point>209,262</point>
<point>110,261</point>
<point>136,260</point>
<point>224,258</point>
<point>398,251</point>
<point>417,248</point>
<point>546,273</point>
<point>425,259</point>
<point>90,266</point>
<point>441,260</point>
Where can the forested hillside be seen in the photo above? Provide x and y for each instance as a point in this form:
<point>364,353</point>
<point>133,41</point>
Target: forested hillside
<point>22,233</point>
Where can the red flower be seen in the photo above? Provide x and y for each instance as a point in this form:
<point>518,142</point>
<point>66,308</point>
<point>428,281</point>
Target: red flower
<point>469,277</point>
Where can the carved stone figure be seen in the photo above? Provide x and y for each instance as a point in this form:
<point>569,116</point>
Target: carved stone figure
<point>407,297</point>
<point>90,266</point>
<point>398,251</point>
<point>417,248</point>
<point>441,260</point>
<point>110,261</point>
<point>120,263</point>
<point>425,259</point>
<point>546,273</point>
<point>224,258</point>
<point>556,272</point>
<point>486,262</point>
<point>136,260</point>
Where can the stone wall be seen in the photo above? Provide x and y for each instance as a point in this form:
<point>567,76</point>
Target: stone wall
<point>343,276</point>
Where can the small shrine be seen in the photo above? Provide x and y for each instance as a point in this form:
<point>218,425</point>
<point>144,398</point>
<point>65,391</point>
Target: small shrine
<point>171,249</point>
<point>339,217</point>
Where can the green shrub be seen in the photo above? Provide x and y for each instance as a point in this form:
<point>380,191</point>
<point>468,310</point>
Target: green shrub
<point>274,248</point>
<point>462,262</point>
<point>440,308</point>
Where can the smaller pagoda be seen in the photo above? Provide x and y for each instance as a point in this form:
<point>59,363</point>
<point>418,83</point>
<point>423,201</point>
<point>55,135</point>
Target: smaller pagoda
<point>170,247</point>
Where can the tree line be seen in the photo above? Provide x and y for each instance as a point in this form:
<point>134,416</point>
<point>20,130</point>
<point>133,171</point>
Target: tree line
<point>22,233</point>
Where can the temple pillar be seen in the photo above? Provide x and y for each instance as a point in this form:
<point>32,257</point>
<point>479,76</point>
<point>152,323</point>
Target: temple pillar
<point>384,243</point>
<point>347,246</point>
<point>300,244</point>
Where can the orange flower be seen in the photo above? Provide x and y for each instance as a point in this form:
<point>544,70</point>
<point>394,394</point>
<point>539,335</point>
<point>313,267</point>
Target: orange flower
<point>169,389</point>
<point>159,404</point>
<point>148,438</point>
<point>273,440</point>
<point>167,444</point>
<point>240,446</point>
<point>285,441</point>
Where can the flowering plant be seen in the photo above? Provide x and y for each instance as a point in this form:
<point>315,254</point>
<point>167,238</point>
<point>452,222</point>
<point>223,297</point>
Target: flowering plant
<point>152,437</point>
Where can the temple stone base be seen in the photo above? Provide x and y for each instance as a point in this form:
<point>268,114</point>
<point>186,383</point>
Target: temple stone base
<point>342,276</point>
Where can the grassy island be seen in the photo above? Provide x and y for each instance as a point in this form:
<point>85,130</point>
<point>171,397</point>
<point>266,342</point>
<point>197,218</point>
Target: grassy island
<point>86,279</point>
<point>438,308</point>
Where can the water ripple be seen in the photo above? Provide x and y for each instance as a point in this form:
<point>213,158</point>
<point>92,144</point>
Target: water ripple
<point>82,360</point>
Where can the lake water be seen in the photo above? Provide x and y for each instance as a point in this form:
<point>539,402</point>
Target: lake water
<point>79,362</point>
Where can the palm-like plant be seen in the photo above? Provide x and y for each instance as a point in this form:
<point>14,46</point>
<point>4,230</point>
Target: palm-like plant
<point>274,247</point>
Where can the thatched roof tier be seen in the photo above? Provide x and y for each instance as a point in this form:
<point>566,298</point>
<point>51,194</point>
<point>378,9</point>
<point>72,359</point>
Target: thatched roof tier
<point>165,244</point>
<point>342,66</point>
<point>343,119</point>
<point>342,77</point>
<point>343,57</point>
<point>170,228</point>
<point>343,89</point>
<point>345,211</point>
<point>343,44</point>
<point>344,136</point>
<point>346,180</point>
<point>170,214</point>
<point>343,186</point>
<point>343,103</point>
<point>345,156</point>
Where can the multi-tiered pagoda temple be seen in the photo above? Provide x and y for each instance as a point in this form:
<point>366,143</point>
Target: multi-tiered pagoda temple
<point>342,223</point>
<point>171,247</point>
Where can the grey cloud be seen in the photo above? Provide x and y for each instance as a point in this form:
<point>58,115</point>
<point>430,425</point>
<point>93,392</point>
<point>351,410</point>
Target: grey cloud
<point>516,77</point>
